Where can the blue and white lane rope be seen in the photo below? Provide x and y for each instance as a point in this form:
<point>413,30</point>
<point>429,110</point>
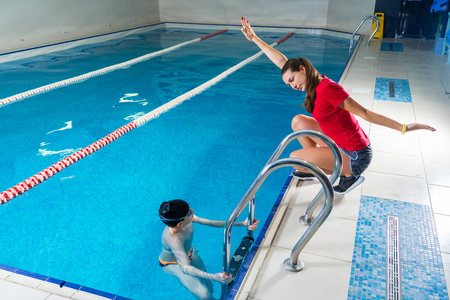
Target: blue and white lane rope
<point>31,182</point>
<point>102,71</point>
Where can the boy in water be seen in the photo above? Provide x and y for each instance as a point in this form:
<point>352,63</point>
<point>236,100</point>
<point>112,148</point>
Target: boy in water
<point>178,258</point>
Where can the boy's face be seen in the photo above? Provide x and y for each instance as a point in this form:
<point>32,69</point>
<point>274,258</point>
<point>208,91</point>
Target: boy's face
<point>188,219</point>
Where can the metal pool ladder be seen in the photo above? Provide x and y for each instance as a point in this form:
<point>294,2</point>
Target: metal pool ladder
<point>359,26</point>
<point>292,263</point>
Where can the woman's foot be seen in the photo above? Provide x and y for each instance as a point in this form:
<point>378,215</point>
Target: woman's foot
<point>346,184</point>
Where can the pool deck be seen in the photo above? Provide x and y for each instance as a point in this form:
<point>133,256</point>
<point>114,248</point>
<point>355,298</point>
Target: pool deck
<point>410,169</point>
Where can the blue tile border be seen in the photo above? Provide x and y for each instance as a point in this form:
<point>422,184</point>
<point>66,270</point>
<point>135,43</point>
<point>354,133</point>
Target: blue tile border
<point>401,90</point>
<point>61,283</point>
<point>422,269</point>
<point>392,47</point>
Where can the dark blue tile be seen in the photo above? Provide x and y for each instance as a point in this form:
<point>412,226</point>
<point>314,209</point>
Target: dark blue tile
<point>32,275</point>
<point>72,286</point>
<point>392,47</point>
<point>7,268</point>
<point>97,292</point>
<point>121,298</point>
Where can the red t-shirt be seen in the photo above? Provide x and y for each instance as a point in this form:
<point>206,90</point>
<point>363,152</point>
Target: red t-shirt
<point>337,123</point>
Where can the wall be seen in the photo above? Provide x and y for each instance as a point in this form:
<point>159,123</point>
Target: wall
<point>343,15</point>
<point>30,23</point>
<point>292,13</point>
<point>346,15</point>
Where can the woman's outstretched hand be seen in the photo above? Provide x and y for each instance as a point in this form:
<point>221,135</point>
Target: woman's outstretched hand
<point>247,29</point>
<point>417,126</point>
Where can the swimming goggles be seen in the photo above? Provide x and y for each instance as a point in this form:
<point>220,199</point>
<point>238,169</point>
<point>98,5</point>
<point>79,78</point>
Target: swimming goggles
<point>177,219</point>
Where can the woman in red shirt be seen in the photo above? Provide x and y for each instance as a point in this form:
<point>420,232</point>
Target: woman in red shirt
<point>333,113</point>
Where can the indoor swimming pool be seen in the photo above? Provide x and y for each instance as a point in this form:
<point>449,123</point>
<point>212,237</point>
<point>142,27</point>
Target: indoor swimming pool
<point>95,223</point>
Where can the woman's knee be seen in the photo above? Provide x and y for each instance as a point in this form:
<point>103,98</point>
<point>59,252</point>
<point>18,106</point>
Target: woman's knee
<point>300,122</point>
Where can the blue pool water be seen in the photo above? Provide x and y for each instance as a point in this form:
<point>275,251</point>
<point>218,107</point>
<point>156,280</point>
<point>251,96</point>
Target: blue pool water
<point>95,223</point>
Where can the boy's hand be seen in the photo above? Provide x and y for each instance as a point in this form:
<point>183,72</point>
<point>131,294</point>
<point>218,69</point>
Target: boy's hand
<point>223,278</point>
<point>253,226</point>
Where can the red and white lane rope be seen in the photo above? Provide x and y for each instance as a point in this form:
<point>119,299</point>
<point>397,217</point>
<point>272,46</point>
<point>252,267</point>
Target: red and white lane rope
<point>57,167</point>
<point>102,71</point>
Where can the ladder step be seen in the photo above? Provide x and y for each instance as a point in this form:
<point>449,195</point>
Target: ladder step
<point>240,255</point>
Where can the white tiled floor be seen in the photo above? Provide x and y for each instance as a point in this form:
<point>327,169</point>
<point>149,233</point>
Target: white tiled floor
<point>414,167</point>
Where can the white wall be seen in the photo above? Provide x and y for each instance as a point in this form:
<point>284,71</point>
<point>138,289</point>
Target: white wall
<point>30,23</point>
<point>346,15</point>
<point>343,15</point>
<point>288,13</point>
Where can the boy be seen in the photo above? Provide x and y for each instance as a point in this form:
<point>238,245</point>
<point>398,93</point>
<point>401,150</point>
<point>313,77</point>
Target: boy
<point>178,258</point>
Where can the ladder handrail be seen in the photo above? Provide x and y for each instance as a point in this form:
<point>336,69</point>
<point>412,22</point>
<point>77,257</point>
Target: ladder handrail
<point>266,171</point>
<point>307,218</point>
<point>272,165</point>
<point>292,263</point>
<point>359,26</point>
<point>312,133</point>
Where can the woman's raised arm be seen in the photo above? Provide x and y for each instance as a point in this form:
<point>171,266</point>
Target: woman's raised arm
<point>274,55</point>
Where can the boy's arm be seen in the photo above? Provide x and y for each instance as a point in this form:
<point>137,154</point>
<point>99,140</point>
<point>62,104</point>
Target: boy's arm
<point>221,224</point>
<point>176,245</point>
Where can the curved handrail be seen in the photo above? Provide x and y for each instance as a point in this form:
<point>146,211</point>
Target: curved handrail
<point>293,263</point>
<point>272,165</point>
<point>307,218</point>
<point>311,133</point>
<point>266,171</point>
<point>359,26</point>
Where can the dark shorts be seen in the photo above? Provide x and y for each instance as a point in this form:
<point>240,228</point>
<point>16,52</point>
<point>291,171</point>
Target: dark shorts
<point>359,159</point>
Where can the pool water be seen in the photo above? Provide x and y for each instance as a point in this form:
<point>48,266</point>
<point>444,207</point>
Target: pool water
<point>96,223</point>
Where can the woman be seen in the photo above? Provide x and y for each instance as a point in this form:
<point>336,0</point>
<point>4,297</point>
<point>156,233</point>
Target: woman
<point>333,112</point>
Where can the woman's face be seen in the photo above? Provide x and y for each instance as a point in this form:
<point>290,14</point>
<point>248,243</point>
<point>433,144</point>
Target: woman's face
<point>296,79</point>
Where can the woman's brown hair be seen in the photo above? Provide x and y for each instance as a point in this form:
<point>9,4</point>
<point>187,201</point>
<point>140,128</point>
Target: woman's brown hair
<point>312,79</point>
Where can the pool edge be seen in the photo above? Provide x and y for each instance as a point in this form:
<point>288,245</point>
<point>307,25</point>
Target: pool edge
<point>52,285</point>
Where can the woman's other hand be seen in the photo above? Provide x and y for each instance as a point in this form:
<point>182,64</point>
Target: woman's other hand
<point>417,126</point>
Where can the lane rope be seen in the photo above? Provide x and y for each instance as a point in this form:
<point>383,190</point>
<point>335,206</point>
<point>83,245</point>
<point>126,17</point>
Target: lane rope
<point>99,72</point>
<point>71,159</point>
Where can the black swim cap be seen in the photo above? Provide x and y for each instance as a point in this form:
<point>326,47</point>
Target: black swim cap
<point>173,210</point>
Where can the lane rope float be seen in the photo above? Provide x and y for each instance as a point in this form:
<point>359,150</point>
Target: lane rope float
<point>71,159</point>
<point>102,71</point>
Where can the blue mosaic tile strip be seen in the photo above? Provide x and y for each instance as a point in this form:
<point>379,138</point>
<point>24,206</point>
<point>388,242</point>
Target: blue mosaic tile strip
<point>422,269</point>
<point>393,47</point>
<point>399,89</point>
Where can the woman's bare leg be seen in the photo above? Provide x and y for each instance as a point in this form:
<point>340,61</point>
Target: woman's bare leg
<point>300,122</point>
<point>314,150</point>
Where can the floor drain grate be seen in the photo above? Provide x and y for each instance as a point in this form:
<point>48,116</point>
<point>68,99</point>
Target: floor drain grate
<point>391,89</point>
<point>393,274</point>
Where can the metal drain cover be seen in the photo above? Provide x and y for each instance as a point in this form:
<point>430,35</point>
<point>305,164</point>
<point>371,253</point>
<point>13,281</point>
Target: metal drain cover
<point>393,271</point>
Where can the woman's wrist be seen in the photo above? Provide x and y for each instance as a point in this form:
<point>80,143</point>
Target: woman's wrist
<point>404,128</point>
